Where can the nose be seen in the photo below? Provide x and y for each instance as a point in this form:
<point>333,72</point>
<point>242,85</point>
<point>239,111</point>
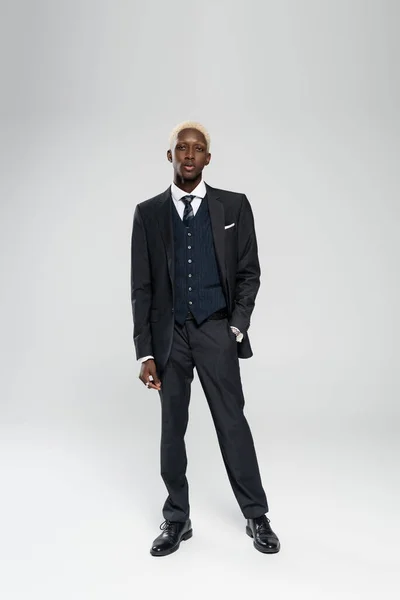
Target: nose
<point>189,152</point>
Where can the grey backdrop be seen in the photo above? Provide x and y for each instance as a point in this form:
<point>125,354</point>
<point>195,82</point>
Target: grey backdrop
<point>302,102</point>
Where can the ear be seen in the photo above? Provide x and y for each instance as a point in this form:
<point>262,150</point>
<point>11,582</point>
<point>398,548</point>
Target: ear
<point>169,155</point>
<point>208,159</point>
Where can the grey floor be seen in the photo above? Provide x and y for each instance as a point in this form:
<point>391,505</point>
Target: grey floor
<point>81,503</point>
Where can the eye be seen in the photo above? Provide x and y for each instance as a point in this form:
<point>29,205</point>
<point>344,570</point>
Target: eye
<point>200,149</point>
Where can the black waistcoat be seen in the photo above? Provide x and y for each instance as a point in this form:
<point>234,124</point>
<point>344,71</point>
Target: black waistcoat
<point>197,283</point>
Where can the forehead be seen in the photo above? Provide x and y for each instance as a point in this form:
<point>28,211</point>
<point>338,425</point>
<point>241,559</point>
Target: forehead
<point>191,135</point>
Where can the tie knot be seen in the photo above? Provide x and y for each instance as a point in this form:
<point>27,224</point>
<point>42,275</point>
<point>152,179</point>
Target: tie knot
<point>187,199</point>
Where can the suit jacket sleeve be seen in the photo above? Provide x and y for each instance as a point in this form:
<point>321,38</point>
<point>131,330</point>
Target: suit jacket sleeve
<point>141,290</point>
<point>248,269</point>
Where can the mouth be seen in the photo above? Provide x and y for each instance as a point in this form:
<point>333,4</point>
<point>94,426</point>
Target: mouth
<point>188,168</point>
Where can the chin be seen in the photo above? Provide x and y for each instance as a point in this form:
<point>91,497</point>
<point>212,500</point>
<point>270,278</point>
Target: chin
<point>189,176</point>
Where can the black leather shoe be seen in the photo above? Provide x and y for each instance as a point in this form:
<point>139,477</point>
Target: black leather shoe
<point>265,540</point>
<point>169,540</point>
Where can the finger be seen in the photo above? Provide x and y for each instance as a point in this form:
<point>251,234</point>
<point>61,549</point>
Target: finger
<point>155,378</point>
<point>151,386</point>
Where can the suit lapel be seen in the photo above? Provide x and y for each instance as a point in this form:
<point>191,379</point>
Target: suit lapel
<point>217,218</point>
<point>166,228</point>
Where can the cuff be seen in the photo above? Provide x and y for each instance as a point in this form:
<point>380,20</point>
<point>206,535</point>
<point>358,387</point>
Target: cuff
<point>237,332</point>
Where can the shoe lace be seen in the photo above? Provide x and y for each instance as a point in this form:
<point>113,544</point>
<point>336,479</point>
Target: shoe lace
<point>264,525</point>
<point>170,527</point>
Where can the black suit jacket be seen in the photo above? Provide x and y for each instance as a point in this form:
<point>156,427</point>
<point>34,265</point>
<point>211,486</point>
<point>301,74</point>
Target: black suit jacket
<point>152,269</point>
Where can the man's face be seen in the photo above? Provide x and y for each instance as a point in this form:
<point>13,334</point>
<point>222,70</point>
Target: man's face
<point>189,154</point>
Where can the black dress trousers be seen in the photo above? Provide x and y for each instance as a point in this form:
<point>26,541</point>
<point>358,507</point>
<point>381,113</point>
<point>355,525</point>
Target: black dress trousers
<point>211,348</point>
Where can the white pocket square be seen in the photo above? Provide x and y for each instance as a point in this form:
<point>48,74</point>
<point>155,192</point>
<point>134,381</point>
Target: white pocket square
<point>231,225</point>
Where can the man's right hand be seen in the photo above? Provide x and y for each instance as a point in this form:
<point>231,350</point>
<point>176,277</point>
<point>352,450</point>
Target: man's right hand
<point>148,375</point>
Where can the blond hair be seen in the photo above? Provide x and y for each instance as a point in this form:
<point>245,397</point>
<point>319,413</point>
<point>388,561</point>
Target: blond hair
<point>189,125</point>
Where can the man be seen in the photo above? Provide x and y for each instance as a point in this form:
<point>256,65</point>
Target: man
<point>195,275</point>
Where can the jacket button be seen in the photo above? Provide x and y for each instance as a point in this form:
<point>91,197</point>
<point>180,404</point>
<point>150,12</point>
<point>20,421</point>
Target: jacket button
<point>172,310</point>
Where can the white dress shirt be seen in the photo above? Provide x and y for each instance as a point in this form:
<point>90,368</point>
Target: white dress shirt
<point>199,192</point>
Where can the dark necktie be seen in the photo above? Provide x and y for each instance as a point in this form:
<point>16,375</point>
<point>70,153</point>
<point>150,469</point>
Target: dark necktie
<point>188,212</point>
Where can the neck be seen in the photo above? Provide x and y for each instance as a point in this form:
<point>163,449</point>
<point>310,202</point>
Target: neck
<point>185,184</point>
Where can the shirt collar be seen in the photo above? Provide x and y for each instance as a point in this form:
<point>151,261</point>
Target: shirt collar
<point>199,191</point>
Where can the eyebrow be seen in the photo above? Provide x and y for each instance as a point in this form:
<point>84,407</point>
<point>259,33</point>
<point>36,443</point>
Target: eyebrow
<point>186,142</point>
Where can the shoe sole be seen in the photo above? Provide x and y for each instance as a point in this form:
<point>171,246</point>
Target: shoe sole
<point>185,537</point>
<point>259,548</point>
